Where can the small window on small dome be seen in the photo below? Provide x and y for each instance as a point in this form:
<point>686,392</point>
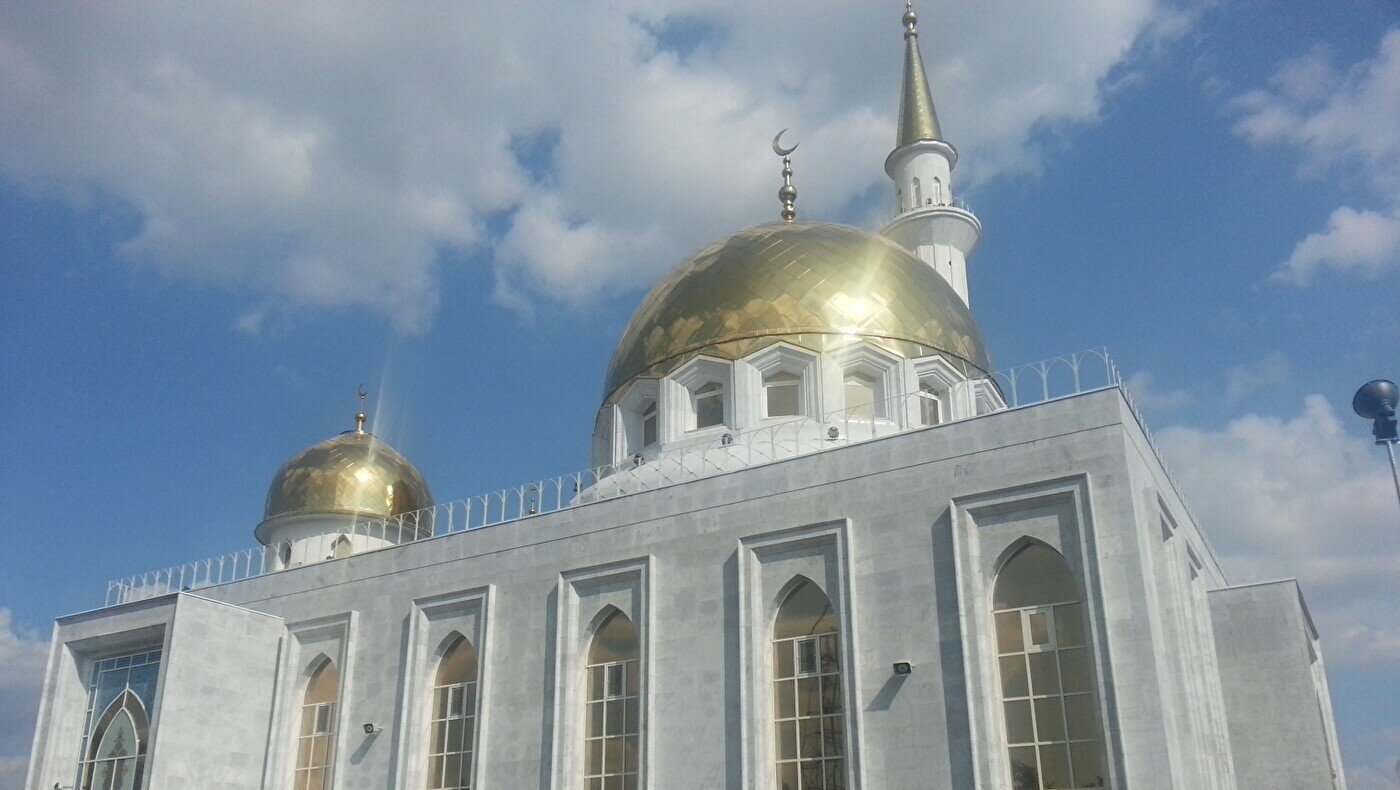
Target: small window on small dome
<point>782,394</point>
<point>649,424</point>
<point>709,405</point>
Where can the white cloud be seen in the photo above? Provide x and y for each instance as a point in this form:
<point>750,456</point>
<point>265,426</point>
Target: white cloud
<point>23,656</point>
<point>1368,241</point>
<point>324,156</point>
<point>1344,119</point>
<point>1252,377</point>
<point>1153,401</point>
<point>1305,497</point>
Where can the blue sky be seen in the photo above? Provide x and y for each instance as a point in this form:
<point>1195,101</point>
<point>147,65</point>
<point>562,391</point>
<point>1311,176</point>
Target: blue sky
<point>213,229</point>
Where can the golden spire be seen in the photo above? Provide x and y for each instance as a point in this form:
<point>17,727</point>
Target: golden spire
<point>917,119</point>
<point>360,417</point>
<point>788,193</point>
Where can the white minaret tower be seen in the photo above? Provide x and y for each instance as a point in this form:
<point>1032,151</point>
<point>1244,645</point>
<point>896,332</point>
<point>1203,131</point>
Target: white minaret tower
<point>926,221</point>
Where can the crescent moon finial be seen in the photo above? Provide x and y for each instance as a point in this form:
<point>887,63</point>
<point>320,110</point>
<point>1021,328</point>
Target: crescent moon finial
<point>778,148</point>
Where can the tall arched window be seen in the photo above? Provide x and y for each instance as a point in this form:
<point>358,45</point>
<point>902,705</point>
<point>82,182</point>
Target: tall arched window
<point>808,701</point>
<point>918,199</point>
<point>451,742</point>
<point>612,741</point>
<point>341,548</point>
<point>316,736</point>
<point>1052,721</point>
<point>117,758</point>
<point>937,192</point>
<point>116,730</point>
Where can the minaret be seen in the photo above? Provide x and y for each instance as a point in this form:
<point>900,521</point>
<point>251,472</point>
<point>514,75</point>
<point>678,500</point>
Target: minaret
<point>921,165</point>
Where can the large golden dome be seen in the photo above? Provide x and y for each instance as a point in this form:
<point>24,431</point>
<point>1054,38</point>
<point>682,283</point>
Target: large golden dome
<point>812,284</point>
<point>352,474</point>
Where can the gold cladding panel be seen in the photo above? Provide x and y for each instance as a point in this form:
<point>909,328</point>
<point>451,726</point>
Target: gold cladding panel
<point>816,285</point>
<point>353,474</point>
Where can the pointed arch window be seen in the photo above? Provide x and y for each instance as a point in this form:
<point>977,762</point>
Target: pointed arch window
<point>918,200</point>
<point>808,695</point>
<point>341,548</point>
<point>453,736</point>
<point>1048,707</point>
<point>613,736</point>
<point>937,192</point>
<point>316,736</point>
<point>116,730</point>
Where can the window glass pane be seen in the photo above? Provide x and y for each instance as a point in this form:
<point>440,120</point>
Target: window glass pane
<point>834,737</point>
<point>1009,632</point>
<point>634,684</point>
<point>324,685</point>
<point>629,754</point>
<point>1024,773</point>
<point>806,611</point>
<point>1044,678</point>
<point>830,655</point>
<point>1074,669</point>
<point>593,757</point>
<point>930,410</point>
<point>454,735</point>
<point>120,738</point>
<point>1037,575</point>
<point>831,693</point>
<point>787,740</point>
<point>649,429</point>
<point>784,695</point>
<point>615,677</point>
<point>595,683</point>
<point>835,774</point>
<point>634,709</point>
<point>809,733</point>
<point>1039,627</point>
<point>787,776</point>
<point>782,659</point>
<point>709,410</point>
<point>807,656</point>
<point>809,701</point>
<point>616,640</point>
<point>612,755</point>
<point>1049,719</point>
<point>811,774</point>
<point>1013,677</point>
<point>1018,722</point>
<point>1081,717</point>
<point>860,398</point>
<point>458,664</point>
<point>1069,625</point>
<point>782,399</point>
<point>1088,770</point>
<point>612,720</point>
<point>595,719</point>
<point>1054,766</point>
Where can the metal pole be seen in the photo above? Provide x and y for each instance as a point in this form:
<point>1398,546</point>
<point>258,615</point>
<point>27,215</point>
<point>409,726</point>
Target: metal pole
<point>1394,473</point>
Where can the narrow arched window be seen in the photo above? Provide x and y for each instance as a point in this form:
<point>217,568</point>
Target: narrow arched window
<point>709,405</point>
<point>612,739</point>
<point>782,394</point>
<point>808,698</point>
<point>918,200</point>
<point>1052,721</point>
<point>341,548</point>
<point>117,756</point>
<point>316,736</point>
<point>116,730</point>
<point>937,192</point>
<point>453,735</point>
<point>649,425</point>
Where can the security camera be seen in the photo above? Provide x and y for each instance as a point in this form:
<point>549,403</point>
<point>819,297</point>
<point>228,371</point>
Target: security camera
<point>903,668</point>
<point>372,729</point>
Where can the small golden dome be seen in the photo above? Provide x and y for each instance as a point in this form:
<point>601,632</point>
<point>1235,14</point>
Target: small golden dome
<point>812,284</point>
<point>352,474</point>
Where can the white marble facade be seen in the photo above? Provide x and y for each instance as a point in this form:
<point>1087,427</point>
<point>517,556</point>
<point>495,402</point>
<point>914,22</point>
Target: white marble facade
<point>905,535</point>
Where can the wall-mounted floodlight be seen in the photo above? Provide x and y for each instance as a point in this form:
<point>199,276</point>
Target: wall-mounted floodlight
<point>903,668</point>
<point>1376,401</point>
<point>373,729</point>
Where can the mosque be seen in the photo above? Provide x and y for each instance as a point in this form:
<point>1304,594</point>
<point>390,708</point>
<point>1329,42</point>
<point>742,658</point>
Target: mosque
<point>822,545</point>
